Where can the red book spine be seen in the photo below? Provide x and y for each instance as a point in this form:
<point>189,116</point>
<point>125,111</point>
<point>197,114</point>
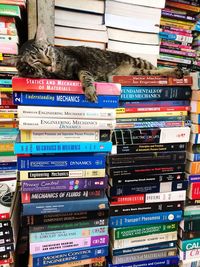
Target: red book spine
<point>126,200</point>
<point>152,81</point>
<point>61,86</point>
<point>195,191</point>
<point>157,109</point>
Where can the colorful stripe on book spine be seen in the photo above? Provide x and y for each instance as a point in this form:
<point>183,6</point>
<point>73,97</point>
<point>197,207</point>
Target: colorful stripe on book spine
<point>142,230</point>
<point>65,206</point>
<point>189,244</point>
<point>63,100</point>
<point>67,234</point>
<point>85,161</point>
<point>63,147</point>
<point>63,184</point>
<point>48,259</point>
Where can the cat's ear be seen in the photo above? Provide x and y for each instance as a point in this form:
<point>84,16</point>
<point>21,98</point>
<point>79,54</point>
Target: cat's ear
<point>40,33</point>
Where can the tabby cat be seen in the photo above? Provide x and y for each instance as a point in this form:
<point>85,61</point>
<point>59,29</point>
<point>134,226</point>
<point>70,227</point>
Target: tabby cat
<point>39,59</point>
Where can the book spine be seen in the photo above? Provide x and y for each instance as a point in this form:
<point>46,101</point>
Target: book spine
<point>63,100</point>
<point>137,159</point>
<point>67,234</point>
<point>49,219</point>
<point>193,157</point>
<point>195,139</point>
<point>175,45</point>
<point>93,161</point>
<point>149,198</point>
<point>194,191</point>
<point>29,187</point>
<point>148,188</point>
<point>150,115</point>
<point>52,246</point>
<point>175,37</point>
<point>65,136</point>
<point>182,53</point>
<point>127,172</point>
<point>138,148</point>
<point>189,244</point>
<point>169,14</point>
<point>155,93</point>
<point>142,230</point>
<point>69,225</point>
<point>151,81</point>
<point>63,206</point>
<point>171,261</point>
<point>62,147</point>
<point>142,256</point>
<point>192,254</point>
<point>168,177</point>
<point>152,109</point>
<point>61,86</point>
<point>131,220</point>
<point>41,260</point>
<point>61,174</point>
<point>193,167</point>
<point>151,103</point>
<point>116,210</point>
<point>145,248</point>
<point>61,196</point>
<point>176,59</point>
<point>65,124</point>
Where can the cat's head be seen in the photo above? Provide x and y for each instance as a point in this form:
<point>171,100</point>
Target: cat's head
<point>34,59</point>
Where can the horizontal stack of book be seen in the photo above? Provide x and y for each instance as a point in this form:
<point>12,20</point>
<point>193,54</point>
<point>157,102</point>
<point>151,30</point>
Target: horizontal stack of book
<point>80,23</point>
<point>147,186</point>
<point>61,162</point>
<point>176,33</point>
<point>133,26</point>
<point>10,14</point>
<point>189,232</point>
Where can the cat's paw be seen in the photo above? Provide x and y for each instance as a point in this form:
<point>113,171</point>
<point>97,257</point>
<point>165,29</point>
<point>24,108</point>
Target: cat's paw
<point>178,73</point>
<point>90,93</point>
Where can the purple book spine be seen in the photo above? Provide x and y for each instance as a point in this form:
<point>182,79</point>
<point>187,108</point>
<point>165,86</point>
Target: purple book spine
<point>63,185</point>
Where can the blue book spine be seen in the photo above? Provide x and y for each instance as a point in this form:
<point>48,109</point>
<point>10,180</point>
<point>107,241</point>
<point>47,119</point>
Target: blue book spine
<point>62,147</point>
<point>6,82</point>
<point>155,103</point>
<point>62,162</point>
<point>155,93</point>
<point>196,157</point>
<point>64,100</point>
<point>8,166</point>
<point>65,206</point>
<point>168,261</point>
<point>193,178</point>
<point>131,220</point>
<point>168,36</point>
<point>67,234</point>
<point>159,124</point>
<point>146,248</point>
<point>55,258</point>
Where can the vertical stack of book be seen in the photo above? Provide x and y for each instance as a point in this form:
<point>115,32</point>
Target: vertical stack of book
<point>80,23</point>
<point>189,232</point>
<point>133,27</point>
<point>147,186</point>
<point>196,43</point>
<point>177,23</point>
<point>10,13</point>
<point>61,163</point>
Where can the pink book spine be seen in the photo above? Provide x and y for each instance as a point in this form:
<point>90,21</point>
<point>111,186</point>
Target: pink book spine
<point>176,29</point>
<point>61,86</point>
<point>60,245</point>
<point>175,52</point>
<point>179,33</point>
<point>9,48</point>
<point>176,45</point>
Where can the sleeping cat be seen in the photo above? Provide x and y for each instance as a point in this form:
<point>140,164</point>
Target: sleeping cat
<point>39,59</point>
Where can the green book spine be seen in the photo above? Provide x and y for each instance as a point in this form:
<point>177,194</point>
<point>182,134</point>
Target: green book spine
<point>7,153</point>
<point>142,230</point>
<point>10,10</point>
<point>189,244</point>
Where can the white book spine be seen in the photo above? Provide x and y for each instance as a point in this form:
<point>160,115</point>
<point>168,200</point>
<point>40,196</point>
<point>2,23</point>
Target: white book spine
<point>57,112</point>
<point>166,197</point>
<point>65,124</point>
<point>192,254</point>
<point>144,240</point>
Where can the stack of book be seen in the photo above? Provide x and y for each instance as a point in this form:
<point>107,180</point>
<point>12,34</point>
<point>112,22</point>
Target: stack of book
<point>10,13</point>
<point>80,23</point>
<point>177,23</point>
<point>147,186</point>
<point>189,233</point>
<point>133,27</point>
<point>61,163</point>
<point>196,43</point>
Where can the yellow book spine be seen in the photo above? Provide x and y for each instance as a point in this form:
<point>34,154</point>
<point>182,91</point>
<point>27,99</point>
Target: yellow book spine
<point>5,89</point>
<point>93,173</point>
<point>178,21</point>
<point>8,115</point>
<point>25,136</point>
<point>151,114</point>
<point>6,147</point>
<point>120,110</point>
<point>168,23</point>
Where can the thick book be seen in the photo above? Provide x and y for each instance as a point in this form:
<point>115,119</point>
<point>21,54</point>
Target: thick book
<point>61,86</point>
<point>63,100</point>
